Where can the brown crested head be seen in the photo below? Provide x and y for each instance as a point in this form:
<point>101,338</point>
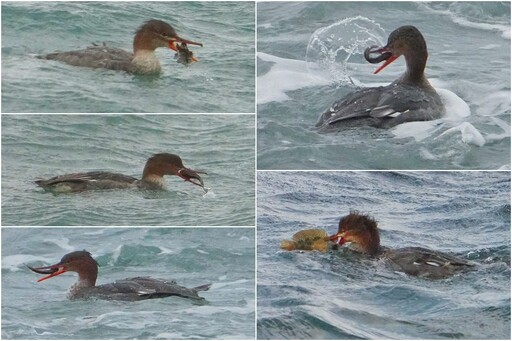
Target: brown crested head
<point>162,164</point>
<point>77,261</point>
<point>407,41</point>
<point>360,230</point>
<point>153,34</point>
<point>157,33</point>
<point>74,259</point>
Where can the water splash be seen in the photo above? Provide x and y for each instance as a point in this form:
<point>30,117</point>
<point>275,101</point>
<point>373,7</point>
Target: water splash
<point>331,47</point>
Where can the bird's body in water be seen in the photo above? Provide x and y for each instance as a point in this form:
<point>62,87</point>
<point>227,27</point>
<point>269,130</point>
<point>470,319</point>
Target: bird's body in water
<point>156,167</point>
<point>360,234</point>
<point>129,289</point>
<point>150,36</point>
<point>409,98</point>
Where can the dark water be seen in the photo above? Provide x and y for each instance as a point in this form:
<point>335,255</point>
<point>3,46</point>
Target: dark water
<point>192,257</point>
<point>222,81</point>
<point>42,146</point>
<point>469,62</point>
<point>342,295</point>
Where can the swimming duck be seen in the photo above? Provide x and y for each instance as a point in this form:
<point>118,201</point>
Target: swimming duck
<point>129,289</point>
<point>362,233</point>
<point>156,167</point>
<point>151,35</point>
<point>409,98</point>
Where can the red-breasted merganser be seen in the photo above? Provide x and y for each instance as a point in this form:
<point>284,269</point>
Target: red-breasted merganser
<point>409,98</point>
<point>156,167</point>
<point>362,233</point>
<point>130,289</point>
<point>150,36</point>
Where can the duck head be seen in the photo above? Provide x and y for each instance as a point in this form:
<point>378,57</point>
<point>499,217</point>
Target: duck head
<point>405,40</point>
<point>80,262</point>
<point>157,33</point>
<point>360,230</point>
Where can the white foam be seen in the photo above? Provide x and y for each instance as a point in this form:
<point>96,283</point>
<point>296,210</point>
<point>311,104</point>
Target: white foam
<point>209,194</point>
<point>15,262</point>
<point>455,106</point>
<point>63,243</point>
<point>166,251</point>
<point>499,136</point>
<point>417,130</point>
<point>331,47</point>
<point>427,155</point>
<point>285,75</point>
<point>456,19</point>
<point>236,283</point>
<point>93,232</point>
<point>469,134</point>
<point>489,47</point>
<point>116,254</point>
<point>504,29</point>
<point>495,102</point>
<point>212,310</point>
<point>456,111</point>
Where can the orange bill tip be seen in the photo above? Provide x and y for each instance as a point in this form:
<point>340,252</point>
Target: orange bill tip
<point>386,63</point>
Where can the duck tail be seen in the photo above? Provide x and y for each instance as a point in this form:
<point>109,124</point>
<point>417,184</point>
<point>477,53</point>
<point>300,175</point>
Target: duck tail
<point>204,287</point>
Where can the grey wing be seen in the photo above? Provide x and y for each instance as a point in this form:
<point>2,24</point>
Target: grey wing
<point>146,287</point>
<point>95,57</point>
<point>84,177</point>
<point>387,106</point>
<point>432,258</point>
<point>74,177</point>
<point>403,103</point>
<point>426,263</point>
<point>357,104</point>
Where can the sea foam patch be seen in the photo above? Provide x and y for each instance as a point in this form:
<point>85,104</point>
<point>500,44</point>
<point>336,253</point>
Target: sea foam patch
<point>469,134</point>
<point>456,111</point>
<point>284,75</point>
<point>482,22</point>
<point>18,262</point>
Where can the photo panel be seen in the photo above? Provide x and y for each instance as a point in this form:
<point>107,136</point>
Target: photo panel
<point>378,255</point>
<point>128,170</point>
<point>395,85</point>
<point>128,57</point>
<point>130,283</point>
